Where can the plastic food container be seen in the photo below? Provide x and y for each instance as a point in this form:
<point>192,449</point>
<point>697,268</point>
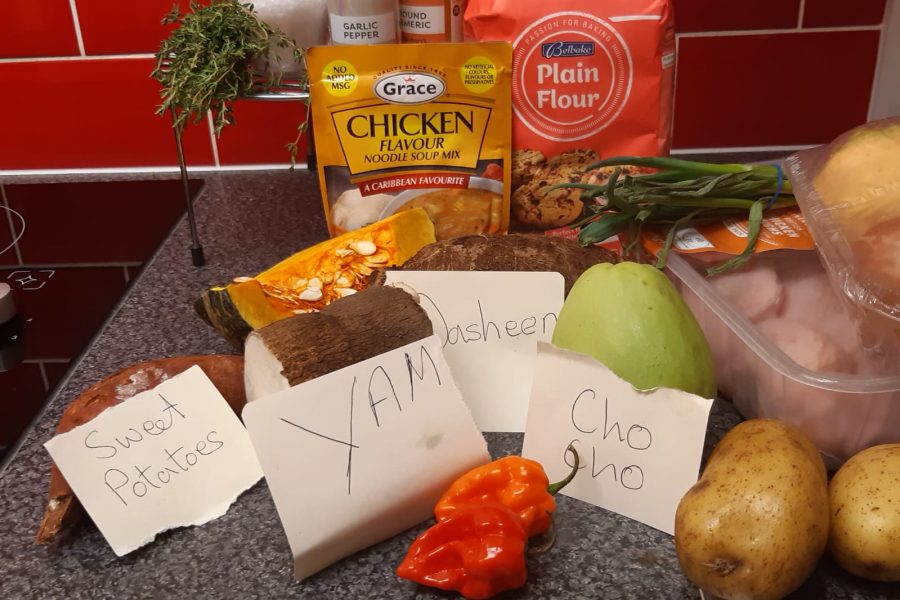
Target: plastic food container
<point>841,412</point>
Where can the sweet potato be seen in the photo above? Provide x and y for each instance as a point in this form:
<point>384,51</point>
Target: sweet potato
<point>226,372</point>
<point>514,252</point>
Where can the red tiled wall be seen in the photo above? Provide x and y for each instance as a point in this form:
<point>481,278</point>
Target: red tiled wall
<point>803,79</point>
<point>805,76</point>
<point>64,109</point>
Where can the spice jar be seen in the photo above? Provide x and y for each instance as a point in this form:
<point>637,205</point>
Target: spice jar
<point>431,20</point>
<point>358,22</point>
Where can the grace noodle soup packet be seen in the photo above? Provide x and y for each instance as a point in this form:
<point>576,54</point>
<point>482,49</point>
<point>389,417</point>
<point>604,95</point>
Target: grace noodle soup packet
<point>416,125</point>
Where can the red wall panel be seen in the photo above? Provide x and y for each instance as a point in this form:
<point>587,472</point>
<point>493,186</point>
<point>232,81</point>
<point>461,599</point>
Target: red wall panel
<point>94,113</point>
<point>785,89</point>
<point>837,13</point>
<point>716,15</point>
<point>108,27</point>
<point>36,28</point>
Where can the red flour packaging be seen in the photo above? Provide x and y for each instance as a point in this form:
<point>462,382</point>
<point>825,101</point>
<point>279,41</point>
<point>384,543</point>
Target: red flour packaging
<point>590,79</point>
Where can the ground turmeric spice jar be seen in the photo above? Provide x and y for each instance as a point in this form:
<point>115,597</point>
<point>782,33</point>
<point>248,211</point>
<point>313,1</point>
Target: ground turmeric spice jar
<point>431,20</point>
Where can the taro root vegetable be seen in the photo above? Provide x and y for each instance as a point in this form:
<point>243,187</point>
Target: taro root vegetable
<point>514,252</point>
<point>312,278</point>
<point>756,523</point>
<point>225,371</point>
<point>303,347</point>
<point>631,318</point>
<point>865,514</point>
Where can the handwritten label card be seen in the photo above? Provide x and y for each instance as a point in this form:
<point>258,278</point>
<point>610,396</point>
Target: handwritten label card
<point>173,456</point>
<point>639,451</point>
<point>361,454</point>
<point>489,324</point>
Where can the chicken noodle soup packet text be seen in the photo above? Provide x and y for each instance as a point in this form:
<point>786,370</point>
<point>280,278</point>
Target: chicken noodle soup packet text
<point>405,126</point>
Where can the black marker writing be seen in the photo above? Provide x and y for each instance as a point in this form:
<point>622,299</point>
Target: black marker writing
<point>484,329</point>
<point>374,403</point>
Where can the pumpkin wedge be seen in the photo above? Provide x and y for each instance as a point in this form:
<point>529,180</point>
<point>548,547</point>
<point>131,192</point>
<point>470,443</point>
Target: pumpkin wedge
<point>313,278</point>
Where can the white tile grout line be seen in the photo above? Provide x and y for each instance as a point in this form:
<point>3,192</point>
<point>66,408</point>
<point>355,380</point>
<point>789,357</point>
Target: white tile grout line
<point>801,14</point>
<point>49,361</point>
<point>300,166</point>
<point>885,98</point>
<point>77,23</point>
<point>99,57</point>
<point>746,32</point>
<point>742,149</point>
<point>214,144</point>
<point>44,376</point>
<point>72,265</point>
<point>12,226</point>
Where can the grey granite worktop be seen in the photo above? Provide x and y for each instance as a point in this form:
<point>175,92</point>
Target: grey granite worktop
<point>248,221</point>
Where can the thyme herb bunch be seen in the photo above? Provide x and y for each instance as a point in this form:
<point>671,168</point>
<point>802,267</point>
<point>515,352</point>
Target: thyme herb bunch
<point>208,61</point>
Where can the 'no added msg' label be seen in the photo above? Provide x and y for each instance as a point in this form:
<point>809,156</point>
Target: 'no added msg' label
<point>478,74</point>
<point>339,78</point>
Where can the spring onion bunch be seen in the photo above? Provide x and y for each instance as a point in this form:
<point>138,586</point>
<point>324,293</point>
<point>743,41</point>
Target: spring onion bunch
<point>679,194</point>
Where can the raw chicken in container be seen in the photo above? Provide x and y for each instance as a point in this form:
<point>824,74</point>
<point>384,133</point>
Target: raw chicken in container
<point>785,346</point>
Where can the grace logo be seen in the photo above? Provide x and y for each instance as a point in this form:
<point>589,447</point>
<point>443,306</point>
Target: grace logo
<point>573,76</point>
<point>410,87</point>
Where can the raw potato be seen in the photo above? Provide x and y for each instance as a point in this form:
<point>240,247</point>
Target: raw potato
<point>756,523</point>
<point>347,331</point>
<point>865,514</point>
<point>514,252</point>
<point>225,371</point>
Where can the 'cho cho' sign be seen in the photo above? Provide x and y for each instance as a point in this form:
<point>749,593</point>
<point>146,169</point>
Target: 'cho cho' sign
<point>639,451</point>
<point>169,457</point>
<point>358,455</point>
<point>489,324</point>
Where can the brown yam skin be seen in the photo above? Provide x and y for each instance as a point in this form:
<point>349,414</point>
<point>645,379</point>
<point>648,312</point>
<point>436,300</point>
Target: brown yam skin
<point>346,332</point>
<point>225,371</point>
<point>514,252</point>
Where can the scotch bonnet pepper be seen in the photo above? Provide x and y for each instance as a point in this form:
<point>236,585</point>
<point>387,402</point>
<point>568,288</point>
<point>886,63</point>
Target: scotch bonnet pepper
<point>517,483</point>
<point>478,551</point>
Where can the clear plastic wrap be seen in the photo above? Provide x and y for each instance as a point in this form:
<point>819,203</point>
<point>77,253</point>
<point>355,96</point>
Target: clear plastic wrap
<point>785,347</point>
<point>849,192</point>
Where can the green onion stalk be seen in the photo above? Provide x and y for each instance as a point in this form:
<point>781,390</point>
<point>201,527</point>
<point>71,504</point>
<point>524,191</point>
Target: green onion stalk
<point>679,194</point>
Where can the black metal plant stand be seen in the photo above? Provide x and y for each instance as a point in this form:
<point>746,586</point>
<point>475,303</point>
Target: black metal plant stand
<point>286,90</point>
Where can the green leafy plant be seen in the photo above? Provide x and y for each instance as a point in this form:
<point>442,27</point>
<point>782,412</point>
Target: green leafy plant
<point>209,60</point>
<point>679,194</point>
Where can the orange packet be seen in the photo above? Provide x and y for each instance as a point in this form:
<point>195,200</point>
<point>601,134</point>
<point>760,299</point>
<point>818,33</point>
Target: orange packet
<point>782,229</point>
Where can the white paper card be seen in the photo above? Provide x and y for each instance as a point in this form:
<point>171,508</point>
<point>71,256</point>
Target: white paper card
<point>489,324</point>
<point>639,451</point>
<point>173,456</point>
<point>356,456</point>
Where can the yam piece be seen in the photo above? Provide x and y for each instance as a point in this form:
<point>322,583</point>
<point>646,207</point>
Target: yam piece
<point>345,332</point>
<point>225,371</point>
<point>514,252</point>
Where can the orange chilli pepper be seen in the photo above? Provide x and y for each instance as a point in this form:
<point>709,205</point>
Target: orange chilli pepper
<point>478,551</point>
<point>518,483</point>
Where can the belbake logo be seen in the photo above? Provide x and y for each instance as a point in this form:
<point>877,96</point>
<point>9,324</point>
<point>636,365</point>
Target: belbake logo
<point>557,49</point>
<point>573,76</point>
<point>410,87</point>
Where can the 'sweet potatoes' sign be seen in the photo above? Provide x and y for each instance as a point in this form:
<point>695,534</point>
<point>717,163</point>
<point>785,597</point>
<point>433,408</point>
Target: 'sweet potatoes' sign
<point>169,457</point>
